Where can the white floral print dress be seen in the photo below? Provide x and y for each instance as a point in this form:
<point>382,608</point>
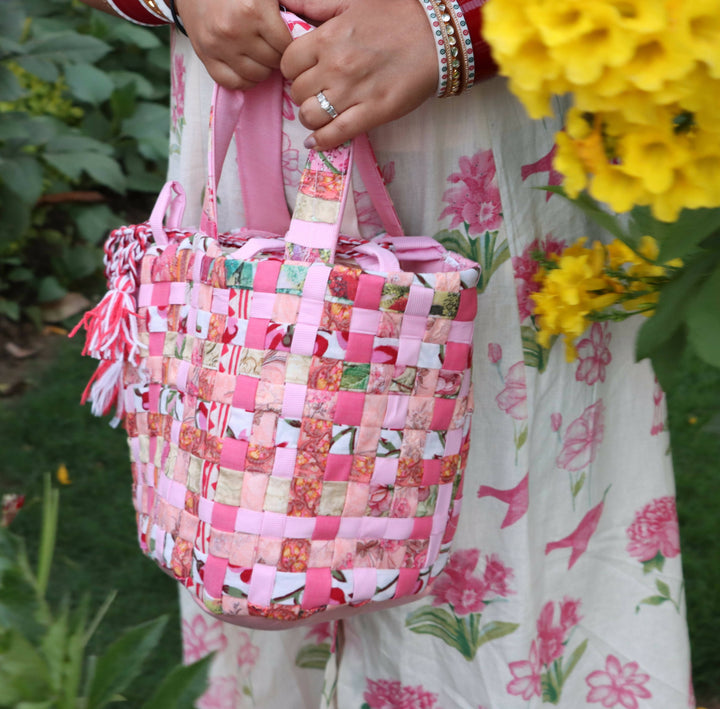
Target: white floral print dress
<point>565,585</point>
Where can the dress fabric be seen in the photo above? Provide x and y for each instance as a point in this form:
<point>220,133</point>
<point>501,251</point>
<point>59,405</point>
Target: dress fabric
<point>565,584</point>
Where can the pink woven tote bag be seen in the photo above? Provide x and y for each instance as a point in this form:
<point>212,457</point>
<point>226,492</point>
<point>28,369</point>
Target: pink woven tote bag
<point>297,407</point>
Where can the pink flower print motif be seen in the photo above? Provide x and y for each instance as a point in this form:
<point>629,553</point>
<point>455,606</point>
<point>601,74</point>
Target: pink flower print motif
<point>222,694</point>
<point>578,541</point>
<point>322,632</point>
<point>553,636</point>
<point>513,398</point>
<point>582,438</point>
<point>290,163</point>
<point>517,499</point>
<point>526,675</point>
<point>654,533</point>
<point>391,694</point>
<point>658,424</point>
<point>248,653</point>
<point>526,268</point>
<point>494,352</point>
<point>380,500</point>
<point>593,355</point>
<point>177,79</point>
<point>288,105</point>
<point>368,219</point>
<point>465,592</point>
<point>618,684</point>
<point>201,637</point>
<point>475,199</point>
<point>555,421</point>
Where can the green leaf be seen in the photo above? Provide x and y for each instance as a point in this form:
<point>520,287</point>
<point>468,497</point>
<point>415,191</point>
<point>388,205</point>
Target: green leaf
<point>10,309</point>
<point>63,48</point>
<point>655,564</point>
<point>181,687</point>
<point>54,646</point>
<point>313,656</point>
<point>522,438</point>
<point>49,289</point>
<point>654,600</point>
<point>88,83</point>
<point>76,142</point>
<point>435,621</point>
<point>123,661</point>
<point>494,630</point>
<point>574,659</point>
<point>23,175</point>
<point>143,87</point>
<point>703,319</point>
<point>533,354</point>
<point>679,238</point>
<point>23,672</point>
<point>105,170</point>
<point>126,33</point>
<point>665,359</point>
<point>148,124</point>
<point>663,588</point>
<point>578,485</point>
<point>10,88</point>
<point>95,221</point>
<point>670,309</point>
<point>592,208</point>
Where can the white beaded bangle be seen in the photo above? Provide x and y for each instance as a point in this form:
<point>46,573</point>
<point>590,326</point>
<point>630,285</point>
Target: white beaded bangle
<point>465,42</point>
<point>437,27</point>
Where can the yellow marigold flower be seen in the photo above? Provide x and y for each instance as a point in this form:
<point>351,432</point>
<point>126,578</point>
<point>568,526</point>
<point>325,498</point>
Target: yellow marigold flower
<point>560,22</point>
<point>641,15</point>
<point>685,194</point>
<point>604,43</point>
<point>62,475</point>
<point>532,65</point>
<point>649,248</point>
<point>702,23</point>
<point>567,162</point>
<point>619,253</point>
<point>506,27</point>
<point>652,154</point>
<point>618,189</point>
<point>659,58</point>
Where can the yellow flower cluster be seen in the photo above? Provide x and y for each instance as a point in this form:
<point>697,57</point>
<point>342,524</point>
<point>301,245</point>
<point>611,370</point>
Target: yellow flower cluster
<point>584,284</point>
<point>644,77</point>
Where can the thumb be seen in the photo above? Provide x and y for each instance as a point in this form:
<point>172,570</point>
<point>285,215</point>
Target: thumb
<point>316,10</point>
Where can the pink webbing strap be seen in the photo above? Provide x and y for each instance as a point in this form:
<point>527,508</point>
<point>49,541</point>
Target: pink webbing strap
<point>372,179</point>
<point>254,117</point>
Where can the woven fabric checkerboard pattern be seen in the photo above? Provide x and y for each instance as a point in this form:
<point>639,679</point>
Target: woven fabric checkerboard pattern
<point>301,434</point>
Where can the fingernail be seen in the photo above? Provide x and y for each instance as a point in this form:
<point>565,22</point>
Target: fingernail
<point>310,142</point>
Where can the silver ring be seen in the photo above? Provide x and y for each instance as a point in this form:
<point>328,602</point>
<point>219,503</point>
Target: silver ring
<point>326,105</point>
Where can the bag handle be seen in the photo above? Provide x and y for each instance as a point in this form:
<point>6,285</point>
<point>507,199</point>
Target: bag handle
<point>263,194</point>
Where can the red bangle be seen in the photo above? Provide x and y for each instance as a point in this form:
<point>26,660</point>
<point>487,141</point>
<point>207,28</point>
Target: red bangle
<point>485,67</point>
<point>134,11</point>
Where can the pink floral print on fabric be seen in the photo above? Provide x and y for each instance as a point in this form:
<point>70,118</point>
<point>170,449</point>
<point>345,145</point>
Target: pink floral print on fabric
<point>494,352</point>
<point>475,200</point>
<point>465,592</point>
<point>526,675</point>
<point>516,498</point>
<point>177,82</point>
<point>582,438</point>
<point>655,531</point>
<point>201,637</point>
<point>368,220</point>
<point>594,355</point>
<point>248,653</point>
<point>391,694</point>
<point>513,398</point>
<point>618,684</point>
<point>658,422</point>
<point>546,670</point>
<point>291,170</point>
<point>526,268</point>
<point>544,165</point>
<point>578,541</point>
<point>222,694</point>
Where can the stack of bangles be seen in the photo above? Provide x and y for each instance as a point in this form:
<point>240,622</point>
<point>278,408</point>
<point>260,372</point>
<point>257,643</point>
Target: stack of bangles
<point>463,56</point>
<point>149,13</point>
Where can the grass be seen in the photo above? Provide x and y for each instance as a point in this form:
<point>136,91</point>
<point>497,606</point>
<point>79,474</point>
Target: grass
<point>97,550</point>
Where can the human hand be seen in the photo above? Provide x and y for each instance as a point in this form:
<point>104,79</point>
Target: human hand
<point>374,60</point>
<point>240,42</point>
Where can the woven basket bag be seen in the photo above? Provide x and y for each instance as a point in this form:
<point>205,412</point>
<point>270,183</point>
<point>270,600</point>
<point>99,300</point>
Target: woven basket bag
<point>297,403</point>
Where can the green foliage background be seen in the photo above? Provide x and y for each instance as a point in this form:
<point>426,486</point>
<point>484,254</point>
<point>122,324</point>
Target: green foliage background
<point>83,108</point>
